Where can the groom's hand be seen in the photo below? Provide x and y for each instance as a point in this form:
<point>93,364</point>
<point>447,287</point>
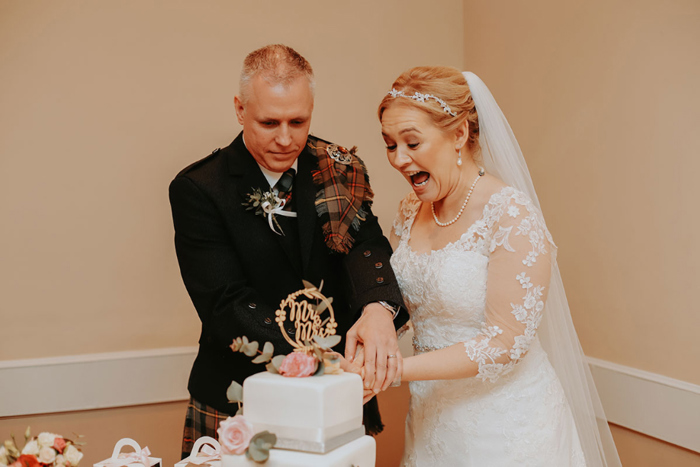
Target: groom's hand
<point>375,331</point>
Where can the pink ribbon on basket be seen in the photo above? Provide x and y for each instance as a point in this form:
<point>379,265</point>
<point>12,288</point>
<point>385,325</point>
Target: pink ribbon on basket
<point>205,455</point>
<point>137,457</point>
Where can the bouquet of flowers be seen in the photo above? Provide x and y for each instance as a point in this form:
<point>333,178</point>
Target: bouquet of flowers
<point>45,450</point>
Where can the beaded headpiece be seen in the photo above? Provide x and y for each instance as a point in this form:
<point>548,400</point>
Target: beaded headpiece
<point>422,98</point>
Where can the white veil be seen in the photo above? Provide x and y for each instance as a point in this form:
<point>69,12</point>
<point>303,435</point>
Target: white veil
<point>502,157</point>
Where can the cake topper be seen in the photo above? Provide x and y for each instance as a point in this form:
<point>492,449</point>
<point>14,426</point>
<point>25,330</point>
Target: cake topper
<point>311,314</point>
<point>307,318</point>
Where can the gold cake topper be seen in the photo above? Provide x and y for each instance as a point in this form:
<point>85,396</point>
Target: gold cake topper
<point>308,318</point>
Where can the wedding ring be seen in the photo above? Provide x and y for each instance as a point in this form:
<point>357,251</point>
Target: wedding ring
<point>391,356</point>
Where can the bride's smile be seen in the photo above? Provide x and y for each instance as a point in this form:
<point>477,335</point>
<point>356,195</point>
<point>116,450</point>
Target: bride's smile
<point>426,156</point>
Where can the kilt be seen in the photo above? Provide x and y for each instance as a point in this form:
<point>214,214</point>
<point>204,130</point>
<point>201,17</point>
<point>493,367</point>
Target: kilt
<point>200,420</point>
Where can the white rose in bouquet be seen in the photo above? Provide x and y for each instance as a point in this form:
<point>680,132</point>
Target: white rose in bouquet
<point>31,448</point>
<point>46,439</point>
<point>47,455</point>
<point>3,456</point>
<point>60,461</point>
<point>72,455</point>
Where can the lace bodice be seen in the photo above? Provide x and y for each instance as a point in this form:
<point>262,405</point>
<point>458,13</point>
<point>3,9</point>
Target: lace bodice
<point>486,289</point>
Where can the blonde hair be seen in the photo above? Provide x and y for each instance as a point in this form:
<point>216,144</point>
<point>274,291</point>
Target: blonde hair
<point>443,82</point>
<point>277,63</point>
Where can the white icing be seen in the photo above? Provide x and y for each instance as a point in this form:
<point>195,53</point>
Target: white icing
<point>313,414</point>
<point>360,453</point>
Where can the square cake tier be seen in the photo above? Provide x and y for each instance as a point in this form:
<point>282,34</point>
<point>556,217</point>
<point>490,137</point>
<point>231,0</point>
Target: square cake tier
<point>359,453</point>
<point>314,414</point>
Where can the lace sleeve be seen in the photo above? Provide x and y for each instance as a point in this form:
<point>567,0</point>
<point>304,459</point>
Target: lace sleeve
<point>398,222</point>
<point>518,277</point>
<point>404,216</point>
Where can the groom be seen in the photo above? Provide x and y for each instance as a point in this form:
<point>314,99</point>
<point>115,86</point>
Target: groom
<point>237,265</point>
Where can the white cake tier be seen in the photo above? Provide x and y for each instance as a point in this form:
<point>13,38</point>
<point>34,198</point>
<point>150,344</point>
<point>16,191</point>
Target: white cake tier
<point>359,453</point>
<point>314,414</point>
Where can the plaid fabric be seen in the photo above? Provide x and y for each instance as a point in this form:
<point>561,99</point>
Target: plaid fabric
<point>200,420</point>
<point>342,190</point>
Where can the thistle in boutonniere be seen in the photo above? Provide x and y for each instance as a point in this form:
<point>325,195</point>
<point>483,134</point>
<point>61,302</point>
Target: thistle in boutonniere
<point>267,204</point>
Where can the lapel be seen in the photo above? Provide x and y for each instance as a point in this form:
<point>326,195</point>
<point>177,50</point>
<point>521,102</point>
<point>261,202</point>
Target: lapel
<point>305,194</point>
<point>245,169</point>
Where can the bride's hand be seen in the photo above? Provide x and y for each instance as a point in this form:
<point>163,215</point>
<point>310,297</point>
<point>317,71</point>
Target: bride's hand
<point>348,366</point>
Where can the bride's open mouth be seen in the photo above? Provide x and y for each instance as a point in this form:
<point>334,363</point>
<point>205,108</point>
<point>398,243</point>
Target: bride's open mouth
<point>419,178</point>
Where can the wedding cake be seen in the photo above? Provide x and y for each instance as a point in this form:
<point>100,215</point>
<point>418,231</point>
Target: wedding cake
<point>317,420</point>
<point>305,411</point>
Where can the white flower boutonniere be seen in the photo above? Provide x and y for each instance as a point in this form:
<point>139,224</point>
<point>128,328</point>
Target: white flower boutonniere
<point>267,204</point>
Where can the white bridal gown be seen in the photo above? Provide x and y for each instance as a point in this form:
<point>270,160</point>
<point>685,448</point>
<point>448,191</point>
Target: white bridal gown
<point>485,291</point>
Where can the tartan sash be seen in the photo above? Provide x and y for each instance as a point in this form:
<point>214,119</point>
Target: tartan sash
<point>343,193</point>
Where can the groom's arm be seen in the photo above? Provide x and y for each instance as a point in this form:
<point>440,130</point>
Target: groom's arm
<point>372,280</point>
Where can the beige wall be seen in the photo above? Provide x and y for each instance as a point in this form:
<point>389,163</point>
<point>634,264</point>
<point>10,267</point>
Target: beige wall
<point>102,103</point>
<point>603,98</point>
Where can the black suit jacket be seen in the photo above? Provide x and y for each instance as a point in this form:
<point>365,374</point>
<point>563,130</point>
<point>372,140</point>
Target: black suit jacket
<point>237,270</point>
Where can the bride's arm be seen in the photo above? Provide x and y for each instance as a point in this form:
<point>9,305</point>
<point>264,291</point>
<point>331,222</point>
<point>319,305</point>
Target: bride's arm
<point>518,278</point>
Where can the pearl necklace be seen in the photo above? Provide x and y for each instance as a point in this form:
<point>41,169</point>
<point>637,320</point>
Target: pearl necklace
<point>464,205</point>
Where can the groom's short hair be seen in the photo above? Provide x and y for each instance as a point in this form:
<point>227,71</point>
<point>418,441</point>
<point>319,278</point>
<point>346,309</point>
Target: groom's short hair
<point>277,64</point>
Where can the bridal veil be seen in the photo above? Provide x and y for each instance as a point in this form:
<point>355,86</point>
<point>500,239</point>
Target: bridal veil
<point>503,158</point>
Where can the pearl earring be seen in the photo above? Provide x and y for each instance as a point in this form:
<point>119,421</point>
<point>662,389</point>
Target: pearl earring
<point>459,158</point>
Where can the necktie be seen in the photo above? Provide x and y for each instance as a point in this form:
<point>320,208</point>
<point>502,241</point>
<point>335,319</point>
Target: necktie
<point>284,187</point>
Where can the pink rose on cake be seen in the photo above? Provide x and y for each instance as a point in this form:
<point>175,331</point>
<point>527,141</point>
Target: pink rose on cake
<point>234,435</point>
<point>298,365</point>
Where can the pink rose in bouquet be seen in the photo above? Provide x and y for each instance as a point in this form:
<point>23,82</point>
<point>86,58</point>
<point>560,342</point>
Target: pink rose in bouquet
<point>298,365</point>
<point>234,435</point>
<point>59,444</point>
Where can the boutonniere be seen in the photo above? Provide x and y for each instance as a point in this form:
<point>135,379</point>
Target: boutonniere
<point>267,204</point>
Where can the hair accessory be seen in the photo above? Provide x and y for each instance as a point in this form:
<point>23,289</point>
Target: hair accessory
<point>422,98</point>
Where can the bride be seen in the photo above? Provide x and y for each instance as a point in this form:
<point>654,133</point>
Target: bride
<point>498,377</point>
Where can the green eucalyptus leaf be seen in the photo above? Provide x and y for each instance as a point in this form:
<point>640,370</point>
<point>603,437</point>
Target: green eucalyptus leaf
<point>308,284</point>
<point>240,410</point>
<point>235,392</point>
<point>277,361</point>
<point>271,368</point>
<point>260,445</point>
<point>261,359</point>
<point>327,342</point>
<point>268,348</point>
<point>267,351</point>
<point>321,307</point>
<point>320,369</point>
<point>250,349</point>
<point>320,286</point>
<point>319,353</point>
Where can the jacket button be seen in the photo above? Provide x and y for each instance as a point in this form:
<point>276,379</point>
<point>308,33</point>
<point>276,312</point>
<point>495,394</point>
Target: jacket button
<point>252,306</point>
<point>268,321</point>
<point>378,265</point>
<point>380,280</point>
<point>367,253</point>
